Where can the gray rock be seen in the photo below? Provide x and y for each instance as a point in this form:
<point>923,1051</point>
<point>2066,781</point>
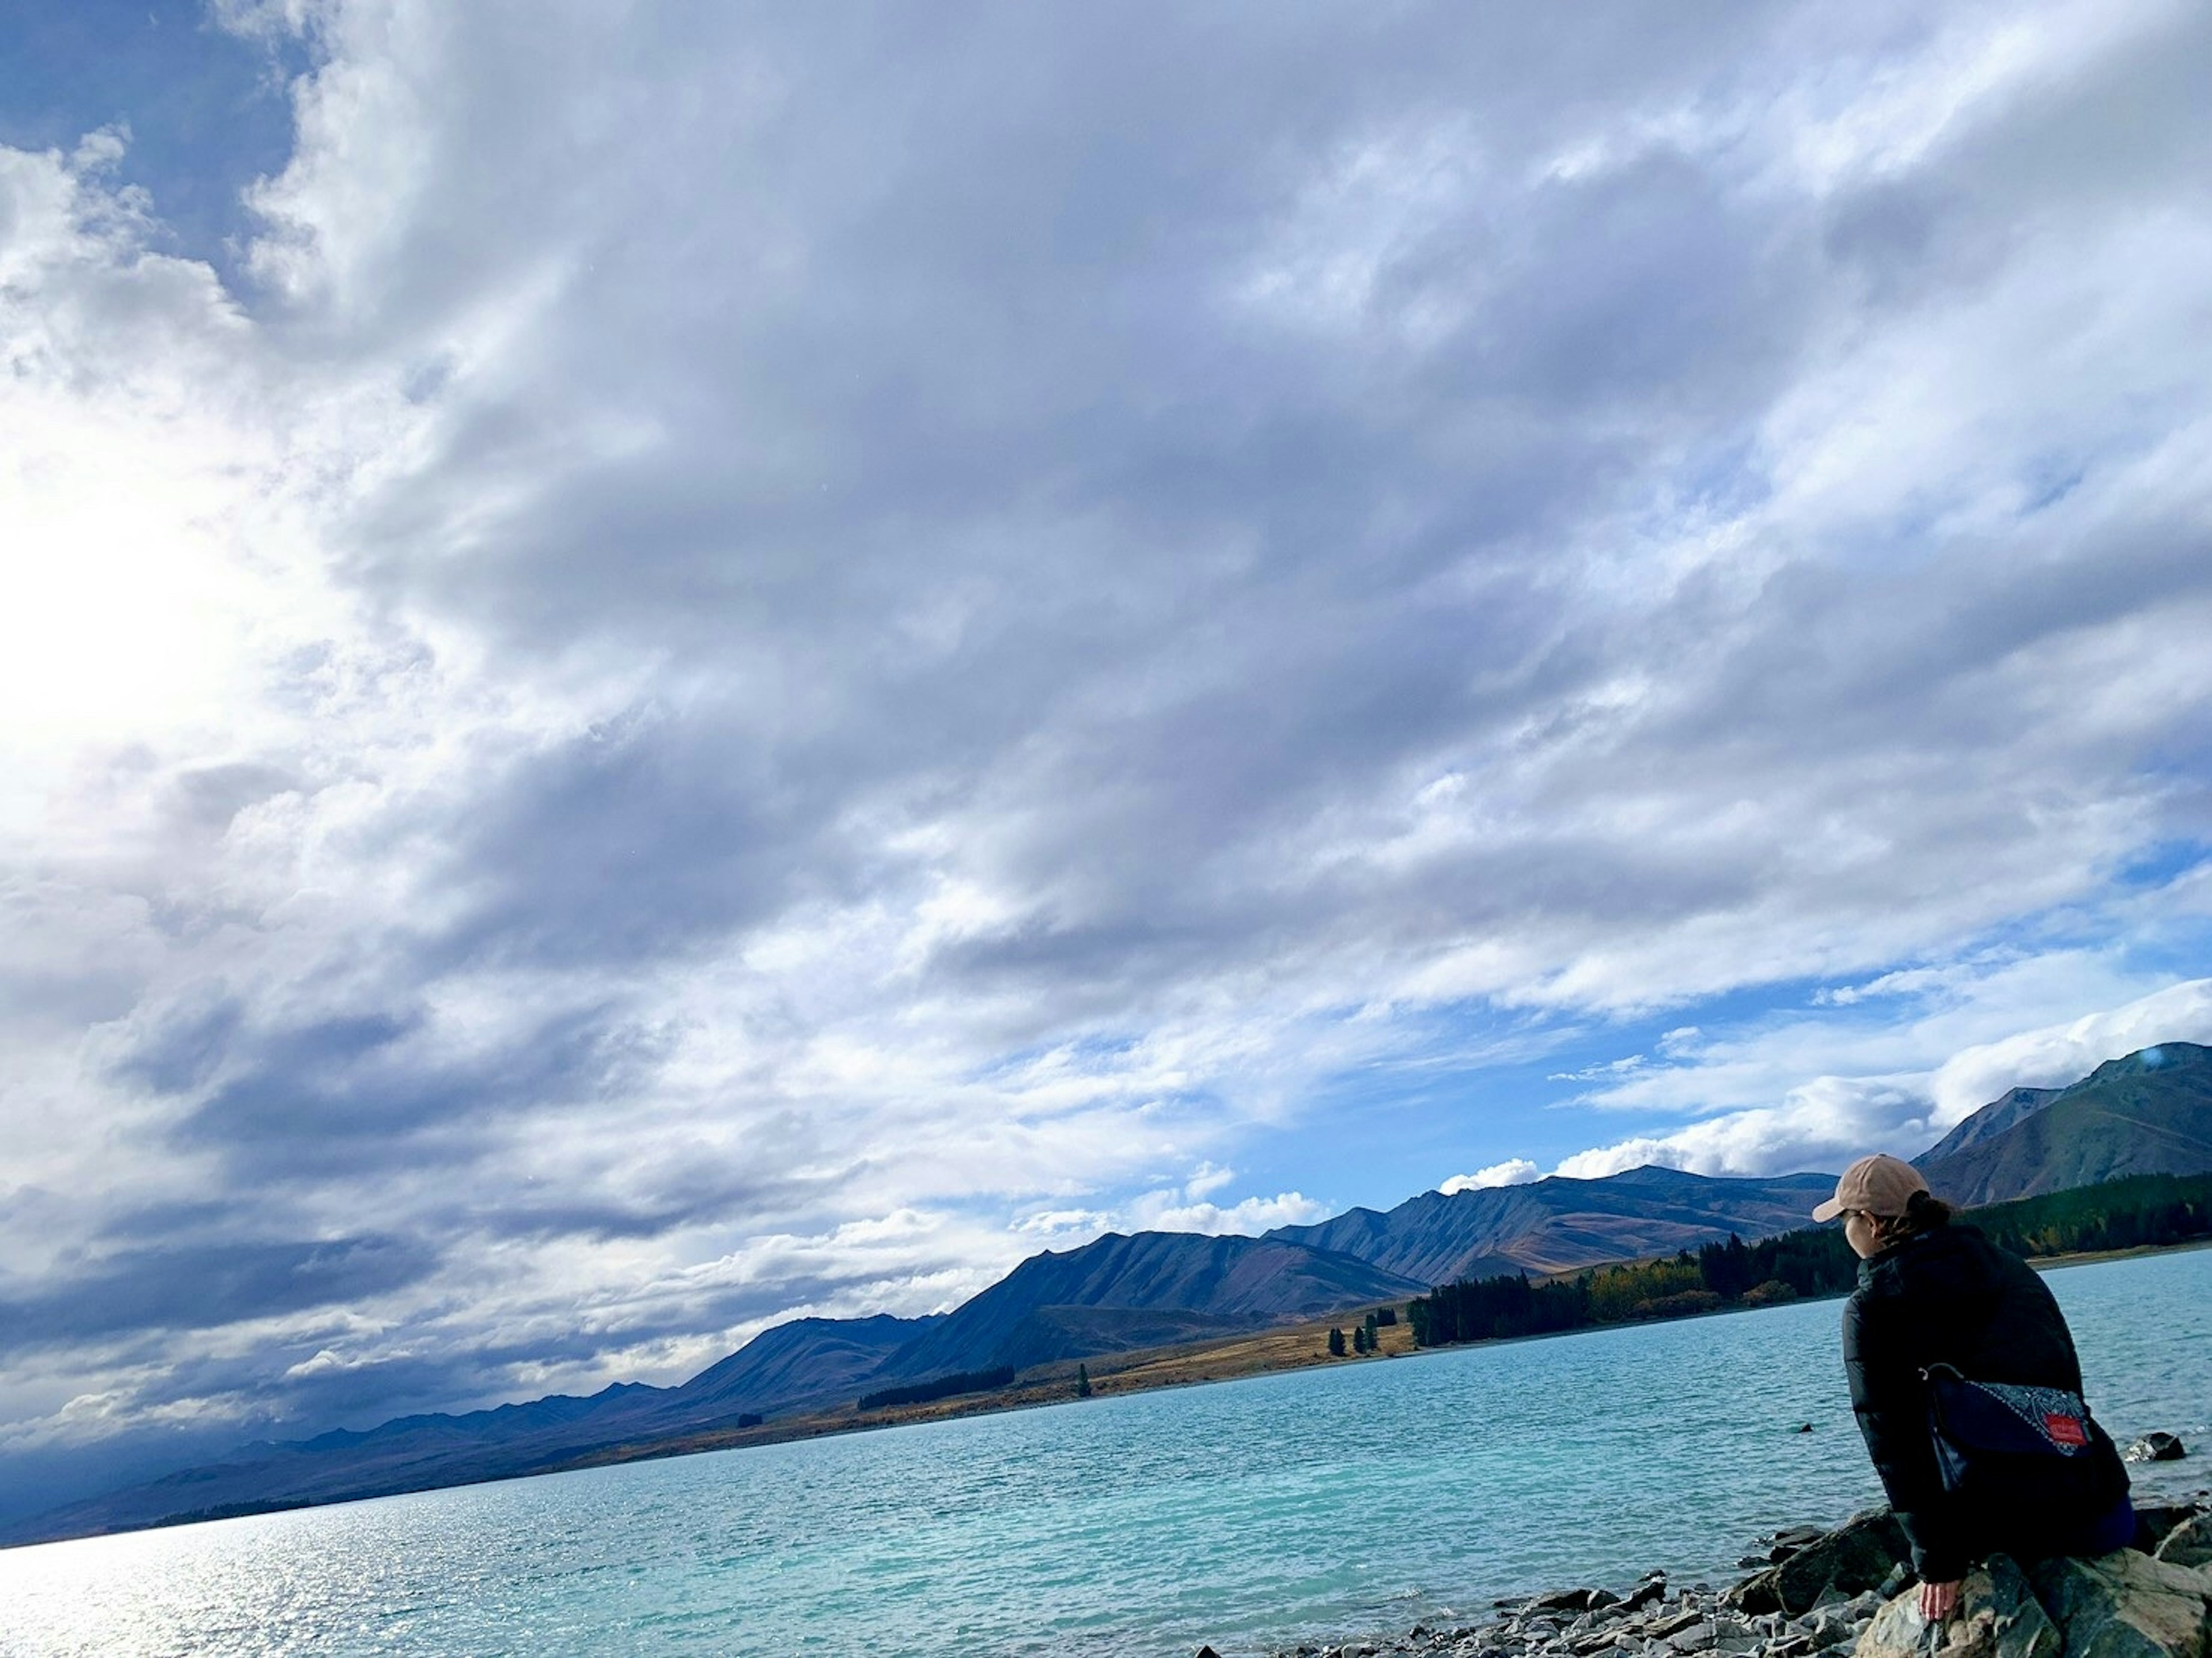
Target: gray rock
<point>1694,1638</point>
<point>1562,1600</point>
<point>2189,1544</point>
<point>2154,1519</point>
<point>2156,1447</point>
<point>1790,1539</point>
<point>2126,1605</point>
<point>1998,1616</point>
<point>1832,1632</point>
<point>1857,1556</point>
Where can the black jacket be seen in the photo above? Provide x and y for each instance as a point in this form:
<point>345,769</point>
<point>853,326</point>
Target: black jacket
<point>1947,1296</point>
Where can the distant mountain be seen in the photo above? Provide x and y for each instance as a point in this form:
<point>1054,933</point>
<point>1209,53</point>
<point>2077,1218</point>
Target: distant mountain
<point>1557,1225</point>
<point>1234,1283</point>
<point>1992,1120</point>
<point>807,1359</point>
<point>1058,1335</point>
<point>2149,1113</point>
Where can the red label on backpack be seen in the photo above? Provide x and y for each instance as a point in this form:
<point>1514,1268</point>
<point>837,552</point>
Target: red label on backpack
<point>2064,1430</point>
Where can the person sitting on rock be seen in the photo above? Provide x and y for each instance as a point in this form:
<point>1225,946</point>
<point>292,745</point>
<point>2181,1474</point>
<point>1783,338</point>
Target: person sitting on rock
<point>1932,1294</point>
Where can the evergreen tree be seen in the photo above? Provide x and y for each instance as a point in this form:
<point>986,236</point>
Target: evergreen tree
<point>1336,1343</point>
<point>1083,1381</point>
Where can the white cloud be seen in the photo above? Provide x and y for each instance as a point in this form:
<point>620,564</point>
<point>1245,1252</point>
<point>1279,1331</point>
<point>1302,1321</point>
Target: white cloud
<point>1829,1121</point>
<point>2060,1054</point>
<point>1514,1171</point>
<point>1160,1211</point>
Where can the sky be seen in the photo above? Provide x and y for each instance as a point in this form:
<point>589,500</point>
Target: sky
<point>671,666</point>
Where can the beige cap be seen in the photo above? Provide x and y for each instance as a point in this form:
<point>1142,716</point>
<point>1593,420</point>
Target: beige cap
<point>1881,1185</point>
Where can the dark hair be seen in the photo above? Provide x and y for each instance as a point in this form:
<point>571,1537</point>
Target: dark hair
<point>1924,1210</point>
<point>1924,1213</point>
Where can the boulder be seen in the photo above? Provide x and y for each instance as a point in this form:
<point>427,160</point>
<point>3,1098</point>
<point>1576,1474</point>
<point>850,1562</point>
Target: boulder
<point>1857,1556</point>
<point>2155,1521</point>
<point>1649,1593</point>
<point>1562,1600</point>
<point>2126,1605</point>
<point>2156,1447</point>
<point>2189,1544</point>
<point>1998,1616</point>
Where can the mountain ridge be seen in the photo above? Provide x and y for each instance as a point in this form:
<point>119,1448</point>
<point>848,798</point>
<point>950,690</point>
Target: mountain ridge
<point>2145,1113</point>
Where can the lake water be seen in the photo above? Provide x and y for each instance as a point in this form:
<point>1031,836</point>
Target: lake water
<point>1324,1503</point>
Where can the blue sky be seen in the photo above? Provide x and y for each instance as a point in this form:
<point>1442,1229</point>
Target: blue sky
<point>684,667</point>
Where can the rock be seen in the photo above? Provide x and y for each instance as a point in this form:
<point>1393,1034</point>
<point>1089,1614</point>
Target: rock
<point>2189,1544</point>
<point>1758,1592</point>
<point>2154,1520</point>
<point>1857,1556</point>
<point>2126,1605</point>
<point>1562,1600</point>
<point>1790,1541</point>
<point>1205,1652</point>
<point>2156,1447</point>
<point>1649,1593</point>
<point>1694,1638</point>
<point>1601,1598</point>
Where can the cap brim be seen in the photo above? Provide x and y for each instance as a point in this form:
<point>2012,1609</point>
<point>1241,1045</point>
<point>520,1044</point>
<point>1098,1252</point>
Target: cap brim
<point>1830,1210</point>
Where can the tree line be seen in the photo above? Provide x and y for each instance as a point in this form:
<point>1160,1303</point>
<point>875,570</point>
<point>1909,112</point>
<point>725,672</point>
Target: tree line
<point>2144,1209</point>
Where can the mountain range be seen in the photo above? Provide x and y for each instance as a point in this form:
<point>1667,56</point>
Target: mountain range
<point>2149,1112</point>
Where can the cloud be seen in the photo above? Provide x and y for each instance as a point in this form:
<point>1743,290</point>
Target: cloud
<point>169,1288</point>
<point>1831,1121</point>
<point>2057,1054</point>
<point>1515,1171</point>
<point>695,700</point>
<point>1160,1213</point>
<point>1188,1208</point>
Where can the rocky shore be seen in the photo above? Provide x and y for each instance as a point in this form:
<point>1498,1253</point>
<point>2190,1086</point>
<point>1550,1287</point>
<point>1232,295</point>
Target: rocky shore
<point>1848,1593</point>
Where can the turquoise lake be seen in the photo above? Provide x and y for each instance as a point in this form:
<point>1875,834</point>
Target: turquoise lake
<point>1327,1503</point>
